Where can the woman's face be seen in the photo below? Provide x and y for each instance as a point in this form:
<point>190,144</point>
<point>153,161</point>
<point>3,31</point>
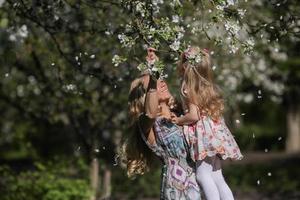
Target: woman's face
<point>163,93</point>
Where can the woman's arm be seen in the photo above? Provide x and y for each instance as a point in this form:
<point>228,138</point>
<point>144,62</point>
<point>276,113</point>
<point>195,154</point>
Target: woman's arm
<point>146,120</point>
<point>151,99</point>
<point>189,118</point>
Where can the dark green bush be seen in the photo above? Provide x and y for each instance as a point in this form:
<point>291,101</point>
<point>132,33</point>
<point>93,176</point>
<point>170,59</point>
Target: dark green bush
<point>279,177</point>
<point>42,183</point>
<point>140,187</point>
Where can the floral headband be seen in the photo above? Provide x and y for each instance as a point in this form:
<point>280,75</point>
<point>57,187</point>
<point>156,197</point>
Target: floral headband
<point>194,58</point>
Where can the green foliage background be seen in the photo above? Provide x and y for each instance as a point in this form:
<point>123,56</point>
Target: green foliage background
<point>63,102</point>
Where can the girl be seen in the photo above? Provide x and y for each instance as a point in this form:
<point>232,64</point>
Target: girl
<point>206,132</point>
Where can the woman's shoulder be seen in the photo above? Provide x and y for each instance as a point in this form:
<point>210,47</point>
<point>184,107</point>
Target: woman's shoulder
<point>145,123</point>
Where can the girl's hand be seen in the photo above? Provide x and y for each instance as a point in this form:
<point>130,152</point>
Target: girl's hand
<point>174,118</point>
<point>151,56</point>
<point>167,117</point>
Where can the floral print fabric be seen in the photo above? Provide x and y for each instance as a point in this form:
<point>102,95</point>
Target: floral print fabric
<point>208,138</point>
<point>178,181</point>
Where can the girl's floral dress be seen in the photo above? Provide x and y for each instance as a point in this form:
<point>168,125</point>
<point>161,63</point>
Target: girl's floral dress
<point>208,137</point>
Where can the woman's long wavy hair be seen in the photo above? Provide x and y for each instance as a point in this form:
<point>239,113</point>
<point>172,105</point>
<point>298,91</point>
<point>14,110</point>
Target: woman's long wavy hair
<point>134,152</point>
<point>197,84</point>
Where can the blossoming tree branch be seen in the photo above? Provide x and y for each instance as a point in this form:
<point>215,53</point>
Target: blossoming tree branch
<point>166,25</point>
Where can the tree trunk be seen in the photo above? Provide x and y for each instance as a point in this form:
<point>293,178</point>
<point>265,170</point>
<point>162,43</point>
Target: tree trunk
<point>293,131</point>
<point>107,184</point>
<point>94,177</point>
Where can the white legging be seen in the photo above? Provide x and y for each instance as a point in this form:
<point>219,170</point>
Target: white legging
<point>210,177</point>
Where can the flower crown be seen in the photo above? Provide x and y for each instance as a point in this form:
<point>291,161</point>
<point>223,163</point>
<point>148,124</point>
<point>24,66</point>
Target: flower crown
<point>194,57</point>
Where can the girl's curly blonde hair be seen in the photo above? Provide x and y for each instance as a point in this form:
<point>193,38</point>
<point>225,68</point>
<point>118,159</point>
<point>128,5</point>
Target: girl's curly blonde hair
<point>197,84</point>
<point>134,152</point>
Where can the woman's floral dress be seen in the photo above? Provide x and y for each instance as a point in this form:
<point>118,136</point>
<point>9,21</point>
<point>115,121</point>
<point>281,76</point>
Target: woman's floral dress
<point>208,137</point>
<point>178,181</point>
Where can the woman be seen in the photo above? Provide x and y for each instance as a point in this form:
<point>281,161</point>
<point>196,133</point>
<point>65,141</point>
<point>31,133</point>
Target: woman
<point>150,113</point>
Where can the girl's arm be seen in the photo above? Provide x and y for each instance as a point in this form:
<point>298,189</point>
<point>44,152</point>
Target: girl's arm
<point>189,118</point>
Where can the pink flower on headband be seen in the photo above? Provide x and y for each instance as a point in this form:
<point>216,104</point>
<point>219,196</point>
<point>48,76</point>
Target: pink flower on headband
<point>186,54</point>
<point>194,56</point>
<point>206,50</point>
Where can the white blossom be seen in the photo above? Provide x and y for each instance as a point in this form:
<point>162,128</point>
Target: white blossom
<point>70,87</point>
<point>233,49</point>
<point>156,5</point>
<point>140,7</point>
<point>230,2</point>
<point>219,7</point>
<point>180,35</point>
<point>175,18</point>
<point>249,44</point>
<point>117,60</point>
<point>23,32</point>
<point>198,59</point>
<point>175,45</point>
<point>175,3</point>
<point>241,12</point>
<point>232,27</point>
<point>125,40</point>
